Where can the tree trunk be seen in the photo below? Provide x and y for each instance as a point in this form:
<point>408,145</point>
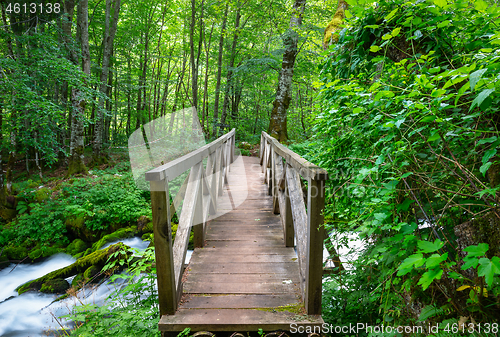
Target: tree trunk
<point>219,72</point>
<point>277,122</point>
<point>333,26</point>
<point>229,76</point>
<point>109,35</point>
<point>76,163</point>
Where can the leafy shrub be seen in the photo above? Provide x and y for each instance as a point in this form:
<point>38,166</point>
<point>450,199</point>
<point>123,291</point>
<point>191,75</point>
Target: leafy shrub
<point>408,131</point>
<point>131,309</point>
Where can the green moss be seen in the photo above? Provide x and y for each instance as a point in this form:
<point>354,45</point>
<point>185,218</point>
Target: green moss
<point>56,286</point>
<point>15,253</point>
<point>76,227</point>
<point>76,164</point>
<point>296,308</point>
<point>78,281</point>
<point>123,233</point>
<point>97,259</point>
<point>44,252</point>
<point>42,194</point>
<point>8,214</point>
<point>75,247</point>
<point>92,274</point>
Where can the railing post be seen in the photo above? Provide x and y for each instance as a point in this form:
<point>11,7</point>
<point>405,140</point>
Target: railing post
<point>167,294</point>
<point>198,230</point>
<point>289,232</point>
<point>272,173</point>
<point>315,235</point>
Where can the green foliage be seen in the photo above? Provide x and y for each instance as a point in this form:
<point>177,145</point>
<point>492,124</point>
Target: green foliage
<point>408,130</point>
<point>132,307</point>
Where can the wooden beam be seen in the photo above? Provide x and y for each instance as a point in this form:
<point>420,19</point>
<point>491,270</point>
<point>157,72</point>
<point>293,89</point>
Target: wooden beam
<point>315,237</point>
<point>185,223</point>
<point>167,294</point>
<point>305,168</point>
<point>299,216</point>
<point>174,168</point>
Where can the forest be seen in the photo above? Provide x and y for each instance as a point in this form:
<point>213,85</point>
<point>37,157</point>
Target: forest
<point>397,100</point>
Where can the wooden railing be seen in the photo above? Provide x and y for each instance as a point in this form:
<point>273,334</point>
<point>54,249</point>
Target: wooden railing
<point>283,170</point>
<point>199,191</point>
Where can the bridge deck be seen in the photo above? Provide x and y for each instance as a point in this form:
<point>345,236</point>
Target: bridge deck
<point>244,279</point>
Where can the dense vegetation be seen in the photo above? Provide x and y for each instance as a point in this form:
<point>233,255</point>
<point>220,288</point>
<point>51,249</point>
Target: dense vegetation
<point>408,129</point>
<point>402,109</point>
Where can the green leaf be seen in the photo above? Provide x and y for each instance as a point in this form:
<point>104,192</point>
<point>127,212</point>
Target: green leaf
<point>434,137</point>
<point>438,92</point>
<point>386,37</point>
<point>478,250</point>
<point>347,14</point>
<point>488,155</point>
<point>415,260</point>
<point>375,48</point>
<point>487,140</point>
<point>429,311</point>
<point>429,118</point>
<point>475,77</point>
<point>395,31</point>
<point>429,276</point>
<point>484,168</point>
<point>481,97</point>
<point>480,5</point>
<point>489,268</point>
<point>391,15</point>
<point>429,247</point>
<point>435,259</point>
<point>441,3</point>
<point>445,23</point>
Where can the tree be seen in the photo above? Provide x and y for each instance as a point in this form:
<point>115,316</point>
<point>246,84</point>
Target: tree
<point>78,102</point>
<point>333,27</point>
<point>109,36</point>
<point>277,121</point>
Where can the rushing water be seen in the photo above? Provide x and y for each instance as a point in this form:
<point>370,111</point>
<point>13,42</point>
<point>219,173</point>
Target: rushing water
<point>32,314</point>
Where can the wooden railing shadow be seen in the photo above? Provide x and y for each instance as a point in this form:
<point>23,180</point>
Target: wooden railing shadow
<point>199,194</point>
<point>302,222</point>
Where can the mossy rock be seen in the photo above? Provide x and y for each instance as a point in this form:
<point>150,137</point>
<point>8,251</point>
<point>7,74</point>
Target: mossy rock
<point>147,236</point>
<point>93,274</point>
<point>144,224</point>
<point>97,259</point>
<point>8,214</point>
<point>55,286</point>
<point>75,247</point>
<point>15,253</point>
<point>43,252</point>
<point>124,233</point>
<point>42,194</point>
<point>78,281</point>
<point>76,228</point>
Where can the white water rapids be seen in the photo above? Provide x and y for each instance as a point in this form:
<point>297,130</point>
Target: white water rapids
<point>32,314</point>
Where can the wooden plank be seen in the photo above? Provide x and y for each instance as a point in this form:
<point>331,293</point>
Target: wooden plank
<point>235,320</point>
<point>174,168</point>
<point>242,243</point>
<point>198,210</point>
<point>244,236</point>
<point>253,250</point>
<point>245,230</point>
<point>178,198</point>
<point>315,238</point>
<point>239,288</point>
<point>185,222</point>
<point>244,278</point>
<point>299,218</point>
<point>303,167</point>
<point>212,258</point>
<point>278,173</point>
<point>167,294</point>
<point>239,301</point>
<point>243,268</point>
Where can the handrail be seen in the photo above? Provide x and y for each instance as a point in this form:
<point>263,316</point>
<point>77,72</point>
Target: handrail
<point>283,169</point>
<point>200,191</point>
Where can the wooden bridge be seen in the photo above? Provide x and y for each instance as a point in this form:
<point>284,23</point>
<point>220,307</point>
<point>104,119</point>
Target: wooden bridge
<point>258,235</point>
